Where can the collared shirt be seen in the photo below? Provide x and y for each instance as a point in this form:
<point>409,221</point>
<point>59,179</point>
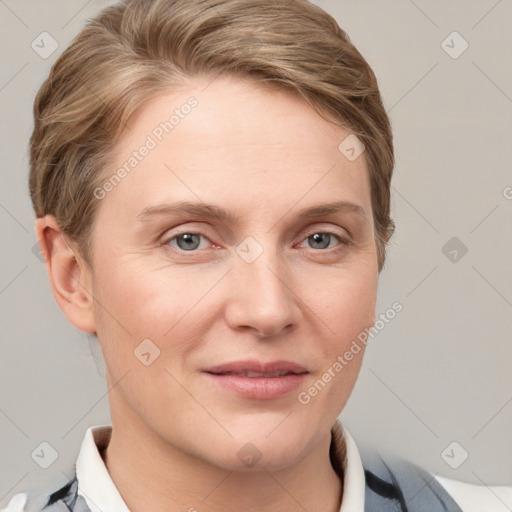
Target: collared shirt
<point>101,494</point>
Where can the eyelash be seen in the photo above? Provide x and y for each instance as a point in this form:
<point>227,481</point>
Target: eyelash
<point>343,241</point>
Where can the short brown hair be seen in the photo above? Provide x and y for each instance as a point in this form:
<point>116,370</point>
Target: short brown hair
<point>135,49</point>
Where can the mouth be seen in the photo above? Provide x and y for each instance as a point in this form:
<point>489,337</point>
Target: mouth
<point>256,380</point>
<point>254,368</point>
<point>258,374</point>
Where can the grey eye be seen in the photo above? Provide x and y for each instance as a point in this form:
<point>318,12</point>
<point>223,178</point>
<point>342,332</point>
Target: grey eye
<point>320,240</point>
<point>188,241</point>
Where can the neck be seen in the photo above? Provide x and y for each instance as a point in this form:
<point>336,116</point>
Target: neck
<point>152,475</point>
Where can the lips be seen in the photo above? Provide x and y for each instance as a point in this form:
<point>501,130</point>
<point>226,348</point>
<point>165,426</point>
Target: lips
<point>253,368</point>
<point>256,380</point>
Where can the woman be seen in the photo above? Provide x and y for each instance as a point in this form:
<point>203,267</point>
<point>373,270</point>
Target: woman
<point>211,181</point>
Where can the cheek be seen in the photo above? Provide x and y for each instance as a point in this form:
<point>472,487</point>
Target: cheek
<point>158,304</point>
<point>346,301</point>
<point>135,297</point>
<point>349,312</point>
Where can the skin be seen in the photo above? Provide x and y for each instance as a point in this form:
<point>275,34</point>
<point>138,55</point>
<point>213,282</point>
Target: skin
<point>263,154</point>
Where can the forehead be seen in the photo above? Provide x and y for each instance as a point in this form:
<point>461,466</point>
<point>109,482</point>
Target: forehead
<point>231,139</point>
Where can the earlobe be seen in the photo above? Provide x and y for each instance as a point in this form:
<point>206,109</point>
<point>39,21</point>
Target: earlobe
<point>70,276</point>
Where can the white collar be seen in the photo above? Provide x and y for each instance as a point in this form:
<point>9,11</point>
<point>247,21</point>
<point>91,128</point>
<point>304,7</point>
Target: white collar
<point>101,494</point>
<point>94,481</point>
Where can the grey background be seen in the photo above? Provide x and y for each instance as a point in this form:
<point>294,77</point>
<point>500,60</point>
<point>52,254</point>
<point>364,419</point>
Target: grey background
<point>440,371</point>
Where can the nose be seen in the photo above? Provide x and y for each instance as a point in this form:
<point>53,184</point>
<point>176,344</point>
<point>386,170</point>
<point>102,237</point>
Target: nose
<point>263,299</point>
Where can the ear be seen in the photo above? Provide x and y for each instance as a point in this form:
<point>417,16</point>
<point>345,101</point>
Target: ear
<point>70,276</point>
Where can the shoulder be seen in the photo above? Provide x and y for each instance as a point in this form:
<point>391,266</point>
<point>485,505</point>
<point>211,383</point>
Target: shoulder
<point>16,503</point>
<point>26,502</point>
<point>393,483</point>
<point>64,492</point>
<point>475,497</point>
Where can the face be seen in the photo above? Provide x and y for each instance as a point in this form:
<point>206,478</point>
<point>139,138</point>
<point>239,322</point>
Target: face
<point>182,291</point>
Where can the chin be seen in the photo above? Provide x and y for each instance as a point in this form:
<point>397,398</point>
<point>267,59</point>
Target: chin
<point>249,459</point>
<point>250,453</point>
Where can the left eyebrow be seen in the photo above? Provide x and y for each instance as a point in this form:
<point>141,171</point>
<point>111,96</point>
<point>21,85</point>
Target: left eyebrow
<point>216,212</point>
<point>330,208</point>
